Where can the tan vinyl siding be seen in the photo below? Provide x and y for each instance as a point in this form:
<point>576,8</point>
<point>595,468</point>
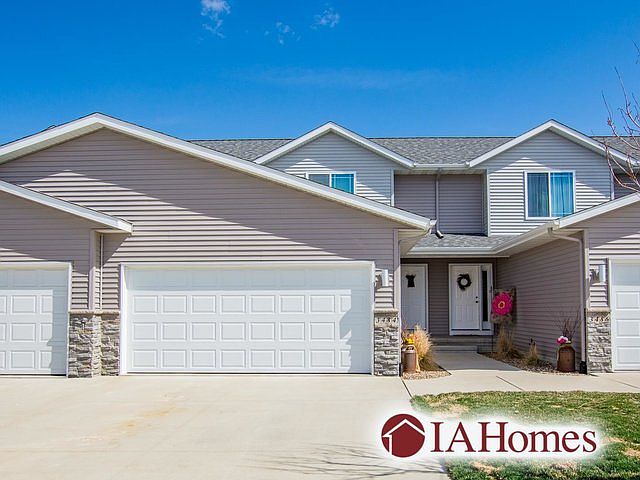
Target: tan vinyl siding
<point>416,193</point>
<point>460,209</point>
<point>544,152</point>
<point>31,232</point>
<point>439,289</point>
<point>333,153</point>
<point>546,280</point>
<point>461,200</point>
<point>188,210</point>
<point>610,236</point>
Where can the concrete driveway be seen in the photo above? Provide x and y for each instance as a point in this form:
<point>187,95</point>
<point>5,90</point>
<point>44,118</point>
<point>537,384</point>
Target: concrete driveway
<point>199,427</point>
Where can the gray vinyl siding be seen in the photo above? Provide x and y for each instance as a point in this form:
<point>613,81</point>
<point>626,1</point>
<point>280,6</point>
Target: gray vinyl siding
<point>544,152</point>
<point>546,280</point>
<point>610,236</point>
<point>416,193</point>
<point>188,210</point>
<point>461,200</point>
<point>31,232</point>
<point>438,290</point>
<point>460,209</point>
<point>333,153</point>
<point>619,190</point>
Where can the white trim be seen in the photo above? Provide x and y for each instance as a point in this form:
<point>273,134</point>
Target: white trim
<point>96,121</point>
<point>72,208</point>
<point>331,127</point>
<point>335,172</point>
<point>480,331</point>
<point>242,264</point>
<point>548,173</point>
<point>123,319</point>
<point>555,127</point>
<point>605,207</point>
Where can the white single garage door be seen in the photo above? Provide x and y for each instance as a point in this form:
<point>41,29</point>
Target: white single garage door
<point>250,318</point>
<point>625,311</point>
<point>34,312</point>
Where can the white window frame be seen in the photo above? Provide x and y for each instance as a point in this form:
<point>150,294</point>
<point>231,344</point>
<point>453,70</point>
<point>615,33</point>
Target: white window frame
<point>548,173</point>
<point>333,172</point>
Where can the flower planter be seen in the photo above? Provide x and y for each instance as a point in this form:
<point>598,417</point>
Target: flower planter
<point>409,359</point>
<point>566,358</point>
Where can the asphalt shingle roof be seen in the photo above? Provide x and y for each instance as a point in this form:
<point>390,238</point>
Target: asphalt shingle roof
<point>422,150</point>
<point>461,241</point>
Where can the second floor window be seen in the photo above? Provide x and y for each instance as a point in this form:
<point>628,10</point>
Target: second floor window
<point>342,181</point>
<point>549,194</point>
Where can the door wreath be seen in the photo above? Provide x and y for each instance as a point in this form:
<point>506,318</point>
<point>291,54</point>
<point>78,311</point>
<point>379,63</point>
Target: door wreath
<point>463,281</point>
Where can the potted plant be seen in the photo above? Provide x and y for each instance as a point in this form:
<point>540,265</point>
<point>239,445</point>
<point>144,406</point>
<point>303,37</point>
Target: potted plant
<point>409,354</point>
<point>566,353</point>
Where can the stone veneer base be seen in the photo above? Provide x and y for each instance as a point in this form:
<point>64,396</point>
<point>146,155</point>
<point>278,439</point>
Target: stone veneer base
<point>599,341</point>
<point>386,342</point>
<point>94,343</point>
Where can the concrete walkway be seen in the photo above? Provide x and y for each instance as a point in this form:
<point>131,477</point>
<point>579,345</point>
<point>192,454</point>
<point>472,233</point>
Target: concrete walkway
<point>472,372</point>
<point>201,427</point>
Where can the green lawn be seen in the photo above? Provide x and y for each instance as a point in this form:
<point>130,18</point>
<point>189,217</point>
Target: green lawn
<point>616,415</point>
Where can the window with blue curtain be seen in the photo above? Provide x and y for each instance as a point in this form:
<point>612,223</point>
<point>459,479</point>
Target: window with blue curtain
<point>561,193</point>
<point>340,181</point>
<point>550,194</point>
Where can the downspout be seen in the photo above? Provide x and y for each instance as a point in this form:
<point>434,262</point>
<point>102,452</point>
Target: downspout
<point>437,197</point>
<point>583,270</point>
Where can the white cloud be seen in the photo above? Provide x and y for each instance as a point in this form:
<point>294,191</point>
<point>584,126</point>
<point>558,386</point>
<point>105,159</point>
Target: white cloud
<point>329,18</point>
<point>285,31</point>
<point>215,10</point>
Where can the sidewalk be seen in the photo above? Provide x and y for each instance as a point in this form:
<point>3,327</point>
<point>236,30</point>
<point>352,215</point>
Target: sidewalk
<point>472,372</point>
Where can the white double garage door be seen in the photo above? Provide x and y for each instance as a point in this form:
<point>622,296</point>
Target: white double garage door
<point>248,318</point>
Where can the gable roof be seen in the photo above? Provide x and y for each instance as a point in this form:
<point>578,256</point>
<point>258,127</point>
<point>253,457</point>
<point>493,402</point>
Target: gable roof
<point>72,208</point>
<point>555,127</point>
<point>331,127</point>
<point>96,121</point>
<point>423,151</point>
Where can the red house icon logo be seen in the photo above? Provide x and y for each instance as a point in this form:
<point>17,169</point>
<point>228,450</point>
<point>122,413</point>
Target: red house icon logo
<point>403,435</point>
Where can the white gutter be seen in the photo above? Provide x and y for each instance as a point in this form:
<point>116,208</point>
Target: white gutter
<point>581,283</point>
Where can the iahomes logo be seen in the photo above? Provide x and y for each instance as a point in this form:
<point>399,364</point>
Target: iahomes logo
<point>405,435</point>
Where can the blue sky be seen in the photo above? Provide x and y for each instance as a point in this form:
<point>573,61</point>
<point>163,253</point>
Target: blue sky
<point>271,68</point>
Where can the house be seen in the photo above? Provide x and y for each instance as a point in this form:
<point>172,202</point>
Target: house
<point>124,250</point>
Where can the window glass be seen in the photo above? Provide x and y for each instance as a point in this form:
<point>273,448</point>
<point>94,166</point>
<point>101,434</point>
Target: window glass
<point>538,194</point>
<point>323,178</point>
<point>561,193</point>
<point>343,181</point>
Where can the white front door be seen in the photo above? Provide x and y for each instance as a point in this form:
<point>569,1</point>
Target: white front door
<point>249,318</point>
<point>465,303</point>
<point>414,296</point>
<point>34,312</point>
<point>625,312</point>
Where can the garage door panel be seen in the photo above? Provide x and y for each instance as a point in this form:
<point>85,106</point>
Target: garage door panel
<point>298,322</point>
<point>33,320</point>
<point>625,311</point>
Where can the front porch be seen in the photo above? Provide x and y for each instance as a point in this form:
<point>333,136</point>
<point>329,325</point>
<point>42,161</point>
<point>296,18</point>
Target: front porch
<point>450,298</point>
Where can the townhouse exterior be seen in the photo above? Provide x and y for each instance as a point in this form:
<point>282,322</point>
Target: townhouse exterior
<point>124,250</point>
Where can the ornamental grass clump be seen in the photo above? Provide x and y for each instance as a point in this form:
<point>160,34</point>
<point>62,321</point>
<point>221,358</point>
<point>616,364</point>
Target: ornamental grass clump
<point>532,358</point>
<point>505,347</point>
<point>424,348</point>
